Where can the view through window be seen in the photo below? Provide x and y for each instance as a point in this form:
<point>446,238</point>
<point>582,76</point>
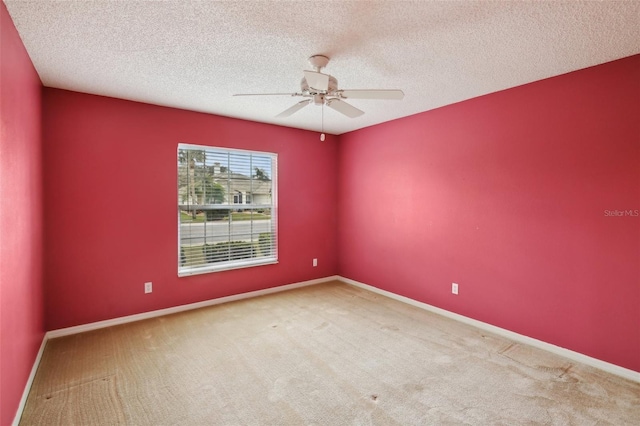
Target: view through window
<point>226,209</point>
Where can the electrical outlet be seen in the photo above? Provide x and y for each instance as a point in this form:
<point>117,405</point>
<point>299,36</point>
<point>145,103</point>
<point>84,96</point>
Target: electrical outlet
<point>148,287</point>
<point>315,262</point>
<point>454,288</point>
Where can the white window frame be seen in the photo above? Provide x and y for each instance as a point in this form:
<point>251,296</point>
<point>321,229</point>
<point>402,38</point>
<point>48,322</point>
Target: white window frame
<point>230,205</point>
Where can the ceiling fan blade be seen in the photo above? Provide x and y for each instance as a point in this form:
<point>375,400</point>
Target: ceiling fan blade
<point>344,108</point>
<point>268,94</point>
<point>317,80</point>
<point>372,94</point>
<point>289,111</point>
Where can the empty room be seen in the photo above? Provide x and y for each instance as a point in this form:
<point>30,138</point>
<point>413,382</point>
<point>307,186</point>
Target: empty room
<point>319,213</point>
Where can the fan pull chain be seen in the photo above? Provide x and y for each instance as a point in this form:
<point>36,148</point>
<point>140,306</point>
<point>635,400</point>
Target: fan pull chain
<point>322,123</point>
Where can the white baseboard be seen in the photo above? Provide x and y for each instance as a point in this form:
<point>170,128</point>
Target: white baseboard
<point>175,309</point>
<point>567,353</point>
<point>27,387</point>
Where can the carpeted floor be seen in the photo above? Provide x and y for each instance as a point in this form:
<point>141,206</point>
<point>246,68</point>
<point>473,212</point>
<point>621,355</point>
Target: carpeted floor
<point>328,354</point>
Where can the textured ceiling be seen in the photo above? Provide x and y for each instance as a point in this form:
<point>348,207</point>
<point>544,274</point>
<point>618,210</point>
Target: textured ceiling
<point>196,54</point>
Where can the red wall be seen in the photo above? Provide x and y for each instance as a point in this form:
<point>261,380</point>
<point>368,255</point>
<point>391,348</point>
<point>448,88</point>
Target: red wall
<point>506,195</point>
<point>21,303</point>
<point>110,206</point>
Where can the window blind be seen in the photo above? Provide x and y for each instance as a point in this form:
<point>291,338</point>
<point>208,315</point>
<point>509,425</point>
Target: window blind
<point>226,209</point>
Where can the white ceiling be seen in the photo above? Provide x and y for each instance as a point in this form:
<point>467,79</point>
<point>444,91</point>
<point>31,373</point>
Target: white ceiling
<point>195,54</point>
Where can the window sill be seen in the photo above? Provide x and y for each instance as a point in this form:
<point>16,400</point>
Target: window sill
<point>185,272</point>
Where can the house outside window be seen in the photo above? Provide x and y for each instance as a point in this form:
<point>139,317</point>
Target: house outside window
<point>226,209</point>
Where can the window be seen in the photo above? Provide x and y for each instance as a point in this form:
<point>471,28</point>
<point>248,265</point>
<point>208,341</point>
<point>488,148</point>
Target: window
<point>226,209</point>
<point>237,198</point>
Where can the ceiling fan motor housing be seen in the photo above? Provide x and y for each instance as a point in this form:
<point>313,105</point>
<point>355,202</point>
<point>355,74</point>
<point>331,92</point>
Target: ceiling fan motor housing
<point>333,87</point>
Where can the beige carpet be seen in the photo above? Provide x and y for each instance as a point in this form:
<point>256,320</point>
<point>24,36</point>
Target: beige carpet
<point>328,354</point>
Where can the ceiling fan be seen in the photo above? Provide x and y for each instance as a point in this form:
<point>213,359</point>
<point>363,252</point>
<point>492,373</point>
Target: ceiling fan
<point>322,89</point>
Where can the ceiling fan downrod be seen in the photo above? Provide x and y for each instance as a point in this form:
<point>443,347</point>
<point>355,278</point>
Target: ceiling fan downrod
<point>318,61</point>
